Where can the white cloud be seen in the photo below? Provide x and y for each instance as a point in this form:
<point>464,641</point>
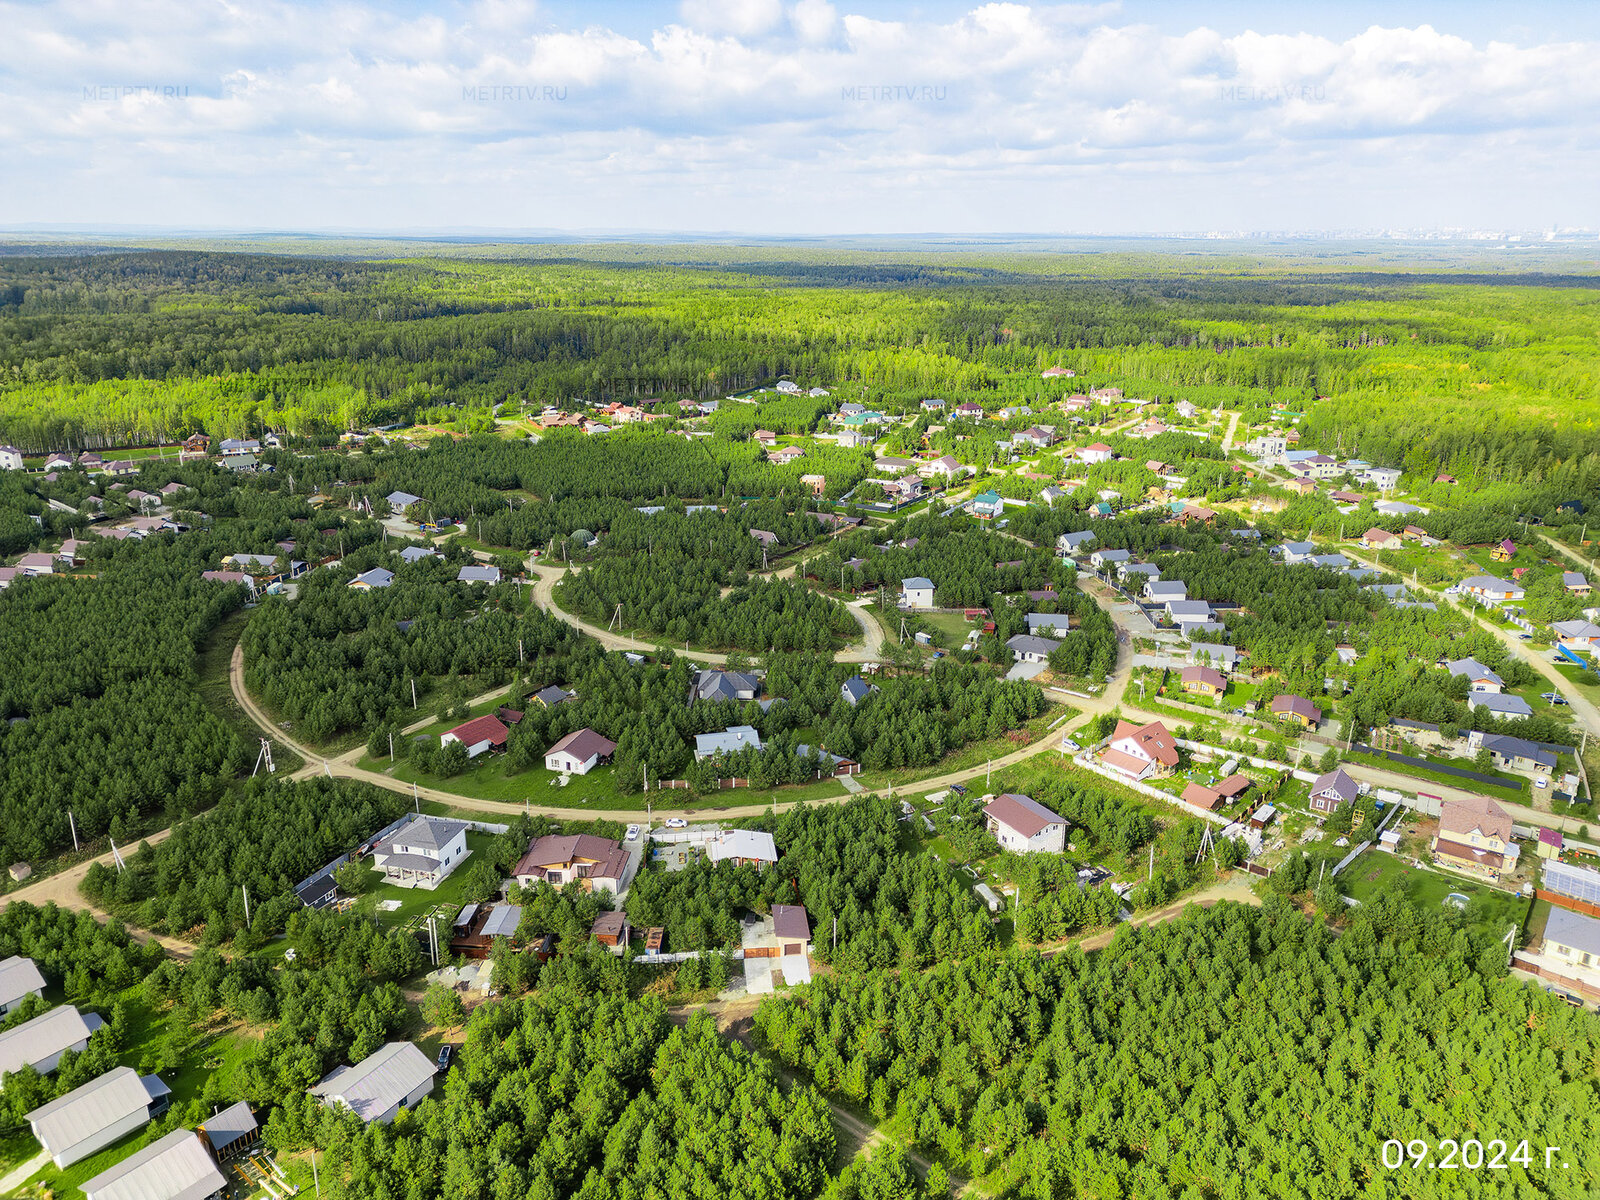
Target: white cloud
<point>754,116</point>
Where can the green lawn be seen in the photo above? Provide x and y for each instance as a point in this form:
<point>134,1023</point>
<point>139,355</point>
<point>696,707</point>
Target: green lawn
<point>417,902</point>
<point>1503,791</point>
<point>1378,871</point>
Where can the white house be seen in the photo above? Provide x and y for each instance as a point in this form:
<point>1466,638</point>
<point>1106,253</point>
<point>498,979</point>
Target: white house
<point>1097,453</point>
<point>176,1167</point>
<point>579,752</point>
<point>1507,708</point>
<point>422,852</point>
<point>91,1117</point>
<point>479,735</point>
<point>395,1076</point>
<point>10,458</point>
<point>19,979</point>
<point>1139,751</point>
<point>1101,559</point>
<point>1572,936</point>
<point>916,592</point>
<point>727,741</point>
<point>1023,826</point>
<point>1026,648</point>
<point>41,1042</point>
<point>478,574</point>
<point>1070,543</point>
<point>1479,677</point>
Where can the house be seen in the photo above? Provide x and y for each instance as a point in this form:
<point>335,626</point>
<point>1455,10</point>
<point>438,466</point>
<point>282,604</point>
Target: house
<point>90,461</point>
<point>765,436</point>
<point>1396,508</point>
<point>1381,539</point>
<point>1097,453</point>
<point>1549,843</point>
<point>724,685</point>
<point>1263,816</point>
<point>231,1133</point>
<point>422,852</point>
<point>1518,753</point>
<point>1214,654</point>
<point>986,506</point>
<point>1318,466</point>
<point>1140,751</point>
<point>1132,571</point>
<point>1575,582</point>
<point>59,462</point>
<point>479,735</point>
<point>19,979</point>
<point>1296,709</point>
<point>727,741</point>
<point>1297,552</point>
<point>1474,835</point>
<point>1072,543</point>
<point>1479,677</point>
<point>1188,612</point>
<point>836,765</point>
<point>1050,494</point>
<point>1487,587</point>
<point>41,1042</point>
<point>1204,681</point>
<point>400,501</point>
<point>1049,624</point>
<point>791,925</point>
<point>579,752</point>
<point>1503,551</point>
<point>478,925</point>
<point>1572,937</point>
<point>1035,436</point>
<point>1331,790</point>
<point>91,1117</point>
<point>1234,786</point>
<point>175,1167</point>
<point>551,696</point>
<point>10,458</point>
<point>1024,826</point>
<point>597,864</point>
<point>916,592</point>
<point>1026,648</point>
<point>743,848</point>
<point>395,1076</point>
<point>232,447</point>
<point>1301,487</point>
<point>378,577</point>
<point>1507,708</point>
<point>785,454</point>
<point>855,690</point>
<point>37,564</point>
<point>413,554</point>
<point>1201,796</point>
<point>1101,559</point>
<point>611,929</point>
<point>816,484</point>
<point>478,574</point>
<point>1578,635</point>
<point>1158,592</point>
<point>1056,373</point>
<point>932,404</point>
<point>1382,478</point>
<point>970,411</point>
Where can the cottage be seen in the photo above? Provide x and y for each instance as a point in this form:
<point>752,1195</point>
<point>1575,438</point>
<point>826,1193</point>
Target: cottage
<point>175,1167</point>
<point>549,697</point>
<point>1204,681</point>
<point>1026,648</point>
<point>1380,539</point>
<point>1331,790</point>
<point>231,1133</point>
<point>1071,543</point>
<point>19,979</point>
<point>478,574</point>
<point>1024,826</point>
<point>1549,843</point>
<point>396,1076</point>
<point>743,848</point>
<point>1577,635</point>
<point>1572,937</point>
<point>1507,708</point>
<point>1104,558</point>
<point>400,501</point>
<point>855,690</point>
<point>413,554</point>
<point>579,752</point>
<point>1097,453</point>
<point>1575,582</point>
<point>713,685</point>
<point>1201,796</point>
<point>1479,677</point>
<point>480,735</point>
<point>1048,624</point>
<point>945,466</point>
<point>1487,587</point>
<point>232,447</point>
<point>596,864</point>
<point>378,577</point>
<point>1140,751</point>
<point>785,454</point>
<point>1160,593</point>
<point>791,925</point>
<point>1296,710</point>
<point>611,930</point>
<point>92,1116</point>
<point>41,1042</point>
<point>986,506</point>
<point>1474,835</point>
<point>727,741</point>
<point>422,852</point>
<point>916,592</point>
<point>1518,753</point>
<point>1503,551</point>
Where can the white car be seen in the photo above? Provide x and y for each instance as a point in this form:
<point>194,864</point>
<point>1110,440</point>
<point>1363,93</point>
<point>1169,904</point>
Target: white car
<point>632,835</point>
<point>1069,744</point>
<point>677,823</point>
<point>1541,783</point>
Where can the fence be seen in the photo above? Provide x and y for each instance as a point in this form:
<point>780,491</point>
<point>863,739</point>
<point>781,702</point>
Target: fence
<point>1087,760</point>
<point>1442,768</point>
<point>1266,764</point>
<point>1560,901</point>
<point>1258,869</point>
<point>1576,986</point>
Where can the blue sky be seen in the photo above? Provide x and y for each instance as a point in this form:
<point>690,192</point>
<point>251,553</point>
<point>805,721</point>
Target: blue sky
<point>800,116</point>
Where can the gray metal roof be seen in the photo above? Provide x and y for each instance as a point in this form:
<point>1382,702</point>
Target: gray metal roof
<point>503,921</point>
<point>916,582</point>
<point>378,1082</point>
<point>176,1167</point>
<point>86,1110</point>
<point>229,1125</point>
<point>50,1033</point>
<point>735,737</point>
<point>1573,929</point>
<point>18,977</point>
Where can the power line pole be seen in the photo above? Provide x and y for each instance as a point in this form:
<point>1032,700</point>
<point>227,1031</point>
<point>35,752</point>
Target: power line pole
<point>71,821</point>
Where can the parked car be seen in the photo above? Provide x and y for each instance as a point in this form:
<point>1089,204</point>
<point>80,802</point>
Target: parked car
<point>958,789</point>
<point>1553,697</point>
<point>1069,744</point>
<point>677,823</point>
<point>1525,637</point>
<point>1575,1001</point>
<point>444,1058</point>
<point>1541,783</point>
<point>632,835</point>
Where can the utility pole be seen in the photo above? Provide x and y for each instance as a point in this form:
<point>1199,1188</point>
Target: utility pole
<point>246,890</point>
<point>1152,872</point>
<point>74,824</point>
<point>315,1182</point>
<point>413,693</point>
<point>116,854</point>
<point>415,798</point>
<point>391,745</point>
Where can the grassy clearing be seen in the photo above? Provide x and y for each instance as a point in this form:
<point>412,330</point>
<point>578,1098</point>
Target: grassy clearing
<point>1506,791</point>
<point>1378,871</point>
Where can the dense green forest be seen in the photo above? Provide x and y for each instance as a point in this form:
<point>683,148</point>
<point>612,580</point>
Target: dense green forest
<point>1236,1052</point>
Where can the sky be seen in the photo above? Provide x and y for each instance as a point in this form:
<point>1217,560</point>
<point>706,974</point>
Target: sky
<point>800,117</point>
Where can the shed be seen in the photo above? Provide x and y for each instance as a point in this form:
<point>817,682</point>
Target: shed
<point>176,1167</point>
<point>231,1132</point>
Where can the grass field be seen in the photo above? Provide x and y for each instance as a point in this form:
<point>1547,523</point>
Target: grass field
<point>1378,871</point>
<point>1510,790</point>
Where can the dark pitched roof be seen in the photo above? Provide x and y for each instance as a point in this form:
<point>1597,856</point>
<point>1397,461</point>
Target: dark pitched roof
<point>1022,813</point>
<point>791,921</point>
<point>582,744</point>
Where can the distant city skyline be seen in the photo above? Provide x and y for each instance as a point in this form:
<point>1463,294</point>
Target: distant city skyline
<point>805,117</point>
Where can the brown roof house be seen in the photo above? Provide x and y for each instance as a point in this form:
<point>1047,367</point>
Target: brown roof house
<point>1140,751</point>
<point>1297,709</point>
<point>578,752</point>
<point>1024,826</point>
<point>1205,681</point>
<point>1331,790</point>
<point>1475,836</point>
<point>598,864</point>
<point>611,929</point>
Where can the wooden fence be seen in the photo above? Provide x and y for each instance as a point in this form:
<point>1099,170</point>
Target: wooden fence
<point>1581,906</point>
